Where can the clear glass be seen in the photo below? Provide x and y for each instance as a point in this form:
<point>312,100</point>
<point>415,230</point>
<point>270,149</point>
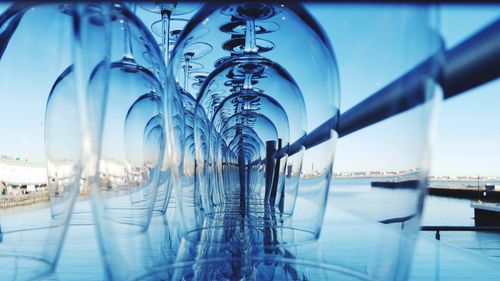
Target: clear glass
<point>175,29</point>
<point>253,112</point>
<point>381,167</point>
<point>267,267</point>
<point>175,7</point>
<point>188,196</point>
<point>133,125</point>
<point>41,159</point>
<point>133,136</point>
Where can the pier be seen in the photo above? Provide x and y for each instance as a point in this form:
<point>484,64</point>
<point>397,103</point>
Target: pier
<point>9,201</point>
<point>485,192</point>
<point>486,214</point>
<point>396,184</point>
<point>465,192</point>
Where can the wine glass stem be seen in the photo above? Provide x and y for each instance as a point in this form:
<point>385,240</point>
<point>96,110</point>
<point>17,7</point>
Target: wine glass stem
<point>186,73</point>
<point>250,44</point>
<point>133,7</point>
<point>165,32</point>
<point>127,41</point>
<point>247,84</point>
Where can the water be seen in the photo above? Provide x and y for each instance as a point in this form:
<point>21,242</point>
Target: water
<point>80,258</point>
<point>24,208</point>
<point>355,195</point>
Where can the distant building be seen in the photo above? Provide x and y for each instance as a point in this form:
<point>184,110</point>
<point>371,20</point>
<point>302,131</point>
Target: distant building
<point>17,173</point>
<point>21,177</point>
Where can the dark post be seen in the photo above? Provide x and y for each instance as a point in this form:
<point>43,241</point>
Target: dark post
<point>241,165</point>
<point>276,176</point>
<point>270,149</point>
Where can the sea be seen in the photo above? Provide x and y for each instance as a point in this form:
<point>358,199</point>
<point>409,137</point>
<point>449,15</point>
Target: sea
<point>354,196</point>
<point>358,197</point>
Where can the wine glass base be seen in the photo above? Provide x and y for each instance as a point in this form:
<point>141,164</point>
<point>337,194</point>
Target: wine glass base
<point>261,236</point>
<point>266,267</point>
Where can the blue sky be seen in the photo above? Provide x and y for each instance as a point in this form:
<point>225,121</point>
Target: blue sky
<point>468,140</point>
<point>468,132</point>
<point>468,135</point>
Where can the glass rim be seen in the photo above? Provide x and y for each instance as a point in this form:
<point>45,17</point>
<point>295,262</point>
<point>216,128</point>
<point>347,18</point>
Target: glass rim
<point>301,262</point>
<point>307,237</point>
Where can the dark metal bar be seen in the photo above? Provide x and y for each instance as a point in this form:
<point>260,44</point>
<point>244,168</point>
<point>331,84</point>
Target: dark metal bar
<point>459,228</point>
<point>276,176</point>
<point>439,228</point>
<point>401,95</point>
<point>472,63</point>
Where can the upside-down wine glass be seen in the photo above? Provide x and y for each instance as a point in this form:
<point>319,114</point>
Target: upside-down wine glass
<point>32,237</point>
<point>386,127</point>
<point>132,146</point>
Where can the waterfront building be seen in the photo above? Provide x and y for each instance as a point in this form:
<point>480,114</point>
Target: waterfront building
<point>19,177</point>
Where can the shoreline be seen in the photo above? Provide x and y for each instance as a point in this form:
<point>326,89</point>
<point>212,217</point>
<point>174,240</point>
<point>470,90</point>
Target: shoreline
<point>429,179</point>
<point>12,201</point>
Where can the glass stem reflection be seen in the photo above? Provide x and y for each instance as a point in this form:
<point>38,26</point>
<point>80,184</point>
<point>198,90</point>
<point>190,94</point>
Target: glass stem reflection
<point>127,42</point>
<point>187,58</point>
<point>165,32</point>
<point>250,44</point>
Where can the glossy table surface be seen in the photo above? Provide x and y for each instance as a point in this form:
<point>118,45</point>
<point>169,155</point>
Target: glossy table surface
<point>346,241</point>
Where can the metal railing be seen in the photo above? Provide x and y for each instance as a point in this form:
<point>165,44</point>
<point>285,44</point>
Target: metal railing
<point>439,228</point>
<point>472,63</point>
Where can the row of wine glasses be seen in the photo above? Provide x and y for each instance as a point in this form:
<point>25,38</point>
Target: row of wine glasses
<point>218,122</point>
<point>249,118</point>
<point>262,94</point>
